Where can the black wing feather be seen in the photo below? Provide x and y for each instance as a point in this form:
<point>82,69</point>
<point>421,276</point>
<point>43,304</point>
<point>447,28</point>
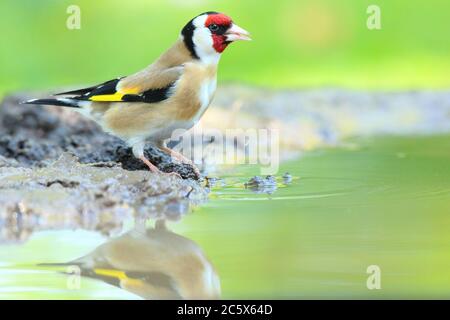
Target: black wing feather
<point>149,96</point>
<point>108,87</point>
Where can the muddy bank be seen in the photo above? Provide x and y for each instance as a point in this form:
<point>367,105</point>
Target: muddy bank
<point>99,196</point>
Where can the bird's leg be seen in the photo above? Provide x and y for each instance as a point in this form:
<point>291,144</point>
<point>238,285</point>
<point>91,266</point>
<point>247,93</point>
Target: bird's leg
<point>150,165</point>
<point>180,158</point>
<point>138,152</point>
<point>155,169</point>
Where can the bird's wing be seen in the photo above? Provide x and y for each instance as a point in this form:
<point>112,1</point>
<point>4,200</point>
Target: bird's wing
<point>148,86</point>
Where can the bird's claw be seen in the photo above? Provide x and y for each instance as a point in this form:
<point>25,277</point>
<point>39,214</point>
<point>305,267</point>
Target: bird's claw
<point>197,172</point>
<point>173,174</point>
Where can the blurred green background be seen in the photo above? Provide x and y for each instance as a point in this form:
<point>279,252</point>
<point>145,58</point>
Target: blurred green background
<point>297,43</point>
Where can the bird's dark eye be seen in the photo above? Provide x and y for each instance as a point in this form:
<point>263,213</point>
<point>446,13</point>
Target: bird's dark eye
<point>213,27</point>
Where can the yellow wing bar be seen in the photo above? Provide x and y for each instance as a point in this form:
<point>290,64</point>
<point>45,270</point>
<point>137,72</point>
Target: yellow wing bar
<point>108,97</point>
<point>115,97</point>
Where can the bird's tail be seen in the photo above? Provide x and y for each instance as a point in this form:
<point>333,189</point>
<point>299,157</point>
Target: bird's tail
<point>57,264</point>
<point>61,102</point>
<point>111,276</point>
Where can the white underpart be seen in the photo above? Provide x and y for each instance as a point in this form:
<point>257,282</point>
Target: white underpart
<point>203,42</point>
<point>206,94</point>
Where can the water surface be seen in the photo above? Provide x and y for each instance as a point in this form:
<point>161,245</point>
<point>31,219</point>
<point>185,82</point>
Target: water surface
<point>383,201</point>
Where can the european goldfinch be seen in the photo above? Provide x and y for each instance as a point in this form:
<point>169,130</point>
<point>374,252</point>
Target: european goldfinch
<point>172,93</point>
<point>154,263</point>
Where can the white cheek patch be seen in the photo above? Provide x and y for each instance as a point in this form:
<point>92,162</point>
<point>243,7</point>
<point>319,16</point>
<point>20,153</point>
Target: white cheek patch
<point>203,42</point>
<point>203,39</point>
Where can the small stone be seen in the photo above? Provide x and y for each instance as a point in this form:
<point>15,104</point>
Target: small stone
<point>287,178</point>
<point>262,185</point>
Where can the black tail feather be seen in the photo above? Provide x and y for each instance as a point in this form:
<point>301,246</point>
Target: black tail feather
<point>54,102</point>
<point>76,92</point>
<point>58,264</point>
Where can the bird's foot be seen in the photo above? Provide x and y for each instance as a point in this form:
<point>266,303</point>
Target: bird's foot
<point>150,165</point>
<point>155,169</point>
<point>173,174</point>
<point>194,167</point>
<point>181,158</point>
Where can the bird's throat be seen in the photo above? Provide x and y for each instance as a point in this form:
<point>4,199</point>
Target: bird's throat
<point>219,43</point>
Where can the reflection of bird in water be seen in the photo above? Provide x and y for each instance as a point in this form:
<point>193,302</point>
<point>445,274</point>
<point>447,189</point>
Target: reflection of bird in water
<point>154,264</point>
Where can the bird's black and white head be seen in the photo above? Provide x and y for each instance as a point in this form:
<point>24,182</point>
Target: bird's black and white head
<point>207,35</point>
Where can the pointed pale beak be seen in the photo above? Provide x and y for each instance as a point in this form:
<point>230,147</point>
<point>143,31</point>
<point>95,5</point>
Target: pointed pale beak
<point>237,33</point>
